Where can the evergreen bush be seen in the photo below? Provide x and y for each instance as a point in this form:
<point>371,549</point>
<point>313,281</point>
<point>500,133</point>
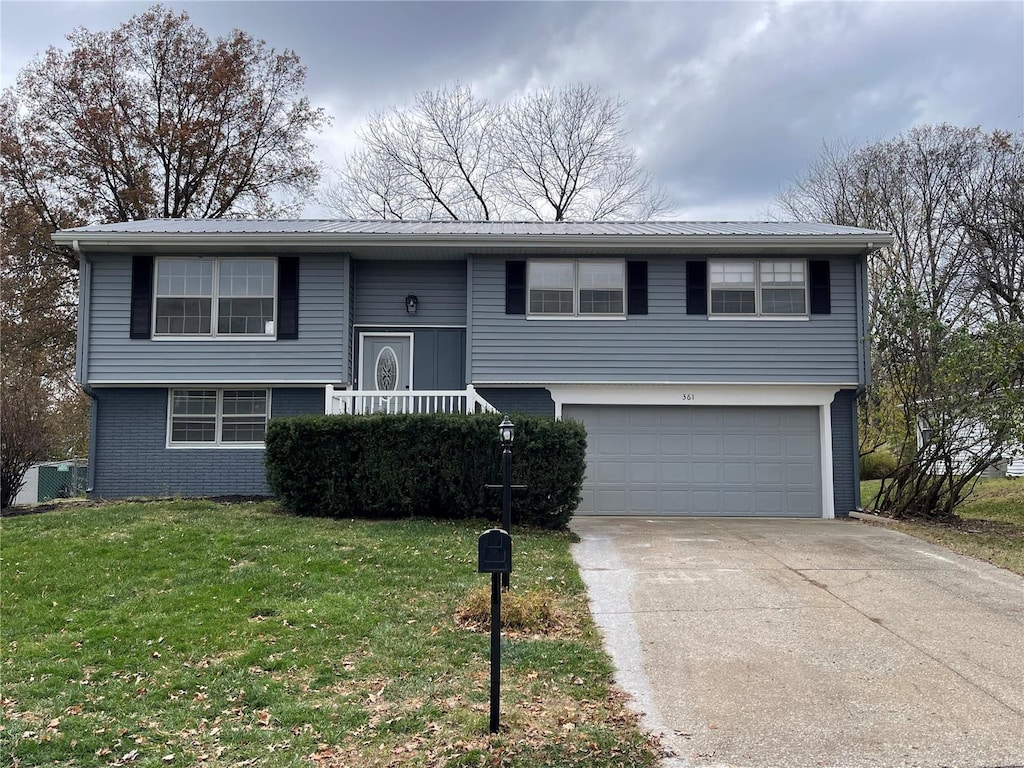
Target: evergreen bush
<point>424,465</point>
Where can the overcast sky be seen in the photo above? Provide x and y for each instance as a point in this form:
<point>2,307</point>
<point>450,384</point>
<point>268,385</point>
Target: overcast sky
<point>726,101</point>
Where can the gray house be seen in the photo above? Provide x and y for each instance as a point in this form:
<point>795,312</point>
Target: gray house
<point>714,365</point>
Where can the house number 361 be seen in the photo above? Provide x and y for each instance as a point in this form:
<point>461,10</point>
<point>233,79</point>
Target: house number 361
<point>687,396</point>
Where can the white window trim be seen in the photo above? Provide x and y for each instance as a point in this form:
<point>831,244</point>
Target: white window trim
<point>758,314</point>
<point>217,445</point>
<point>576,314</point>
<point>214,304</point>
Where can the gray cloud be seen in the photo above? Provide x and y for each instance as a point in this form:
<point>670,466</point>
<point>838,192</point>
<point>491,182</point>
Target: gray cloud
<point>726,101</point>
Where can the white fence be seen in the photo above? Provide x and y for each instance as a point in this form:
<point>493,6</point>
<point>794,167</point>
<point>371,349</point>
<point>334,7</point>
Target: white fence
<point>362,402</point>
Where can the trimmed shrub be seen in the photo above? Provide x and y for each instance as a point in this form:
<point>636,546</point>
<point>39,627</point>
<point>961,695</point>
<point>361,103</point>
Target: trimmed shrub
<point>424,465</point>
<point>877,465</point>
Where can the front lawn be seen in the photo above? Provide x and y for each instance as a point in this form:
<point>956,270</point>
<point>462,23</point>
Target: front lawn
<point>991,525</point>
<point>185,633</point>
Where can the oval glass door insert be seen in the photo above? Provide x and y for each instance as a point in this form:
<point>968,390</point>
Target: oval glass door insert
<point>386,369</point>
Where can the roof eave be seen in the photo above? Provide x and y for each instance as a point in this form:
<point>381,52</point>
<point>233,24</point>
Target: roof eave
<point>97,241</point>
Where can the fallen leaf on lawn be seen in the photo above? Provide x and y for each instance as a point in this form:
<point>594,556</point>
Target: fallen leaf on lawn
<point>53,723</point>
<point>168,758</point>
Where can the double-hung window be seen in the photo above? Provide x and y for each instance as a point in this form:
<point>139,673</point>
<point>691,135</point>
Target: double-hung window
<point>217,417</point>
<point>758,288</point>
<point>215,297</point>
<point>580,288</point>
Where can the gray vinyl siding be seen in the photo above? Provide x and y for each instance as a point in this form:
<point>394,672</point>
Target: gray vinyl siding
<point>381,287</point>
<point>131,457</point>
<point>845,453</point>
<point>318,355</point>
<point>532,400</point>
<point>666,345</point>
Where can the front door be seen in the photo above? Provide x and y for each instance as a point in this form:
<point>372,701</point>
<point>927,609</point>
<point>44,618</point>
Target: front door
<point>385,365</point>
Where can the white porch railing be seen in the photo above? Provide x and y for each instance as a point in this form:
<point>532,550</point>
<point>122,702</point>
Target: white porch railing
<point>362,402</point>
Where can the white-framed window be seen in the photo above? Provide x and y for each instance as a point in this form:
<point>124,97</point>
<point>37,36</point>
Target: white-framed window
<point>215,297</point>
<point>217,417</point>
<point>776,288</point>
<point>576,288</point>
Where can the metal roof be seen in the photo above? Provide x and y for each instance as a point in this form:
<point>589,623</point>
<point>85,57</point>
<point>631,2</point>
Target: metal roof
<point>483,229</point>
<point>455,239</point>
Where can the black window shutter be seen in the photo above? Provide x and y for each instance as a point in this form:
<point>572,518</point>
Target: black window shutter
<point>515,287</point>
<point>288,297</point>
<point>821,287</point>
<point>142,297</point>
<point>636,287</point>
<point>696,287</point>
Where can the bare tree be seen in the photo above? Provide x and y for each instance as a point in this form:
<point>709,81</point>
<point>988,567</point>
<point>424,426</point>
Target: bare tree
<point>565,155</point>
<point>434,159</point>
<point>945,298</point>
<point>989,195</point>
<point>953,199</point>
<point>554,154</point>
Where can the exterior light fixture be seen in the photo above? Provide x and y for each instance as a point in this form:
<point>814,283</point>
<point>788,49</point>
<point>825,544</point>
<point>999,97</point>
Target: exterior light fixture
<point>507,431</point>
<point>411,303</point>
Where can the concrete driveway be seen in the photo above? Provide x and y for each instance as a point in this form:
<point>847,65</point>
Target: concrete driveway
<point>809,642</point>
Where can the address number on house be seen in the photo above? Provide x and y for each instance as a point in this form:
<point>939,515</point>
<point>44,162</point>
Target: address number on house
<point>687,397</point>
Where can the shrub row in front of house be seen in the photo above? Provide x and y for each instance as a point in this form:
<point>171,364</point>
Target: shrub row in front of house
<point>424,465</point>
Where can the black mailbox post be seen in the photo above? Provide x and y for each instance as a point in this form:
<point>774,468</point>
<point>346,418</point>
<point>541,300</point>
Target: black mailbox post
<point>494,556</point>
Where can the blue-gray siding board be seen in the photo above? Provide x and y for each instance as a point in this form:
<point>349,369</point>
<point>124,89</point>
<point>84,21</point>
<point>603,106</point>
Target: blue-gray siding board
<point>132,459</point>
<point>318,355</point>
<point>845,453</point>
<point>532,400</point>
<point>665,345</point>
<point>380,288</point>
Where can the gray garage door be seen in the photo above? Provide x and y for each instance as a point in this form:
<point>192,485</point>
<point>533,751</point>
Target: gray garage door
<point>695,460</point>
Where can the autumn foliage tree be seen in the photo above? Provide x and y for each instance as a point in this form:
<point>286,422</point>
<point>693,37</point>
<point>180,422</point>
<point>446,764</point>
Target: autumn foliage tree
<point>552,154</point>
<point>153,119</point>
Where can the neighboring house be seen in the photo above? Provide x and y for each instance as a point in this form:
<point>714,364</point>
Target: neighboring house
<point>971,437</point>
<point>714,365</point>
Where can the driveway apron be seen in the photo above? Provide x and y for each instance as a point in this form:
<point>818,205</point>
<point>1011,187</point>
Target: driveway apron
<point>774,643</point>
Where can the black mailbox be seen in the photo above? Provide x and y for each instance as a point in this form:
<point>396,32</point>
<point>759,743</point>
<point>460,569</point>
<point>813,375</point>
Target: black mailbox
<point>495,551</point>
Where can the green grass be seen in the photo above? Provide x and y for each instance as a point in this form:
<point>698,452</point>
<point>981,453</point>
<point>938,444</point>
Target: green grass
<point>991,525</point>
<point>183,633</point>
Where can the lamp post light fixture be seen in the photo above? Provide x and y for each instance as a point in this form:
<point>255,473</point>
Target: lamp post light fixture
<point>507,433</point>
<point>411,303</point>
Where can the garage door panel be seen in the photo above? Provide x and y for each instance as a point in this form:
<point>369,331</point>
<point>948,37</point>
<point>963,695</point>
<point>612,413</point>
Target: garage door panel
<point>768,445</point>
<point>643,445</point>
<point>611,472</point>
<point>699,460</point>
<point>802,504</point>
<point>643,472</point>
<point>612,500</point>
<point>675,473</point>
<point>769,502</point>
<point>736,445</point>
<point>738,502</point>
<point>612,444</point>
<point>707,445</point>
<point>705,473</point>
<point>675,445</point>
<point>735,473</point>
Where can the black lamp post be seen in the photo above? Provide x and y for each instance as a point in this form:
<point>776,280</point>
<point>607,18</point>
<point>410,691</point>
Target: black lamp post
<point>507,433</point>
